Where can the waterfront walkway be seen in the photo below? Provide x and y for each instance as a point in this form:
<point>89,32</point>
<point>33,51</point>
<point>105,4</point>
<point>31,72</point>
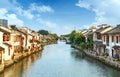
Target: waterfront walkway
<point>106,60</point>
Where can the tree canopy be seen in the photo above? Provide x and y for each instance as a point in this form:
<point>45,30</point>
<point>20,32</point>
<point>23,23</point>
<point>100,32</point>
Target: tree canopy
<point>55,36</point>
<point>72,36</point>
<point>78,39</point>
<point>43,32</point>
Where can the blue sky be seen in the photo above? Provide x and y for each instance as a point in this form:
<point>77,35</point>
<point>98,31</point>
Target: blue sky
<point>60,16</point>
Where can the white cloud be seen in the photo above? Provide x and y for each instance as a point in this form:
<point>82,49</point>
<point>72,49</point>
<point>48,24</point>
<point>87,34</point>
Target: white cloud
<point>25,13</point>
<point>68,28</point>
<point>12,18</point>
<point>107,11</point>
<point>41,8</point>
<point>83,5</point>
<point>33,10</point>
<point>15,7</point>
<point>2,11</point>
<point>54,27</point>
<point>49,24</point>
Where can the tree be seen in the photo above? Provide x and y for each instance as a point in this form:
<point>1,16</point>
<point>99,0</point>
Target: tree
<point>82,45</point>
<point>79,38</point>
<point>43,32</point>
<point>90,42</point>
<point>72,36</point>
<point>55,36</point>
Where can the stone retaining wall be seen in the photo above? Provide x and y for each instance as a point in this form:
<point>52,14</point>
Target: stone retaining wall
<point>105,61</point>
<point>19,57</point>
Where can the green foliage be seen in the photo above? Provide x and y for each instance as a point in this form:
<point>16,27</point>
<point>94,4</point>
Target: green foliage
<point>72,36</point>
<point>76,38</point>
<point>43,32</point>
<point>55,36</point>
<point>90,42</point>
<point>83,45</point>
<point>79,38</point>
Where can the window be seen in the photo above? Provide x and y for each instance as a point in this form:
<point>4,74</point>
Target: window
<point>119,37</point>
<point>8,50</point>
<point>116,39</point>
<point>6,37</point>
<point>104,38</point>
<point>107,40</point>
<point>22,41</point>
<point>98,36</point>
<point>112,38</point>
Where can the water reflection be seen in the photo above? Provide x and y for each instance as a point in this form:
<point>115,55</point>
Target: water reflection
<point>104,70</point>
<point>17,69</point>
<point>59,60</point>
<point>77,55</point>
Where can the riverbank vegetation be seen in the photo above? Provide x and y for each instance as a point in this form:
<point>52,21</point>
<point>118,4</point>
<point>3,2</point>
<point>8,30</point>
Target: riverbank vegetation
<point>79,39</point>
<point>47,33</point>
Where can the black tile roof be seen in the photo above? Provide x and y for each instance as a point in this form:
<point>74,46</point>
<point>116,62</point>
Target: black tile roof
<point>21,32</point>
<point>115,30</point>
<point>1,48</point>
<point>4,31</point>
<point>116,47</point>
<point>90,33</point>
<point>102,28</point>
<point>7,44</point>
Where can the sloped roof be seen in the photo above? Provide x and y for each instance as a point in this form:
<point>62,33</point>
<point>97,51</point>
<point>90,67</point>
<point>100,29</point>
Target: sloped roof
<point>116,47</point>
<point>115,30</point>
<point>21,31</point>
<point>4,31</point>
<point>1,48</point>
<point>7,44</point>
<point>30,34</point>
<point>102,28</point>
<point>90,33</point>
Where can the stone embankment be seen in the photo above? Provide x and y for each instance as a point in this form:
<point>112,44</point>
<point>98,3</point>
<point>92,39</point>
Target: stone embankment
<point>106,61</point>
<point>19,56</point>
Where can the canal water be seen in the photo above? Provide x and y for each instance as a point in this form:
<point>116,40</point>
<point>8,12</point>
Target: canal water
<point>59,60</point>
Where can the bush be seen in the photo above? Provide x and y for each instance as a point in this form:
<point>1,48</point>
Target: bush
<point>82,45</point>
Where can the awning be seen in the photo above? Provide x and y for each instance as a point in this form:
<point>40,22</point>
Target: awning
<point>116,47</point>
<point>99,43</point>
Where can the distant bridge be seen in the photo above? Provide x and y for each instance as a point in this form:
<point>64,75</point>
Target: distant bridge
<point>65,38</point>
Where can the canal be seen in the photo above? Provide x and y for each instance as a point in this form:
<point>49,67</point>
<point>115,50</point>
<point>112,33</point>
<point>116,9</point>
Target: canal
<point>59,60</point>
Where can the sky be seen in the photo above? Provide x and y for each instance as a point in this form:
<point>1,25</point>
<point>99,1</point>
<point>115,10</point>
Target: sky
<point>60,16</point>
